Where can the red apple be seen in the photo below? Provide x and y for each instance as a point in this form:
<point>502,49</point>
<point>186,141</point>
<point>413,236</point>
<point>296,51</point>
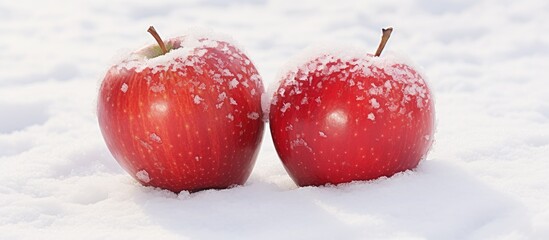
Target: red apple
<point>341,116</point>
<point>184,114</point>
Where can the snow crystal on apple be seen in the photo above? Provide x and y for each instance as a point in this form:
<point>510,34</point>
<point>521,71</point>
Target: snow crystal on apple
<point>371,116</point>
<point>227,73</point>
<point>387,85</point>
<point>256,78</point>
<point>233,83</point>
<point>221,97</point>
<point>217,78</point>
<point>300,142</point>
<point>202,86</point>
<point>191,50</point>
<point>230,116</point>
<point>333,63</point>
<point>285,107</point>
<point>201,52</point>
<point>253,115</point>
<point>157,88</point>
<point>290,127</point>
<point>197,99</point>
<point>143,176</point>
<point>155,138</point>
<point>374,103</point>
<point>322,134</point>
<point>232,101</point>
<point>124,87</point>
<point>375,90</point>
<point>281,92</point>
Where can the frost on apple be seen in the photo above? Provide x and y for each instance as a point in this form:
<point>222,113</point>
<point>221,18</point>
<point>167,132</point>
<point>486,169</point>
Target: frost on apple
<point>157,88</point>
<point>300,142</point>
<point>332,64</point>
<point>189,50</point>
<point>232,101</point>
<point>124,88</point>
<point>221,97</point>
<point>253,115</point>
<point>374,103</point>
<point>197,99</point>
<point>143,176</point>
<point>233,83</point>
<point>371,116</point>
<point>155,138</point>
<point>285,107</point>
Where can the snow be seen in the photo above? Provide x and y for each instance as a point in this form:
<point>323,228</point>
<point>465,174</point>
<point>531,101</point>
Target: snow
<point>485,178</point>
<point>253,115</point>
<point>143,176</point>
<point>124,87</point>
<point>158,88</point>
<point>197,99</point>
<point>374,103</point>
<point>192,43</point>
<point>285,107</point>
<point>155,138</point>
<point>233,83</point>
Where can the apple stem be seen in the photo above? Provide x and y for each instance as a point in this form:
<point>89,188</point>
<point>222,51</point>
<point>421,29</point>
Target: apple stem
<point>153,32</point>
<point>384,38</point>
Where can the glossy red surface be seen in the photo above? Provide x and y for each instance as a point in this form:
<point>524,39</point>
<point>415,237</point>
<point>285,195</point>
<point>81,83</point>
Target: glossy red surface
<point>345,125</point>
<point>186,128</point>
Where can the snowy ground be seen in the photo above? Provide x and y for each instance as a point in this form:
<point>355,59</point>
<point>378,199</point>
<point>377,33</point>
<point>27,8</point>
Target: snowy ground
<point>486,177</point>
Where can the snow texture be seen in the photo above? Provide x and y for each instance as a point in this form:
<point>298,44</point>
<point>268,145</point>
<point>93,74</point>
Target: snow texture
<point>485,178</point>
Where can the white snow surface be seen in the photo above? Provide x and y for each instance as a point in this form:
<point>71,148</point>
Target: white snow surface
<point>485,178</point>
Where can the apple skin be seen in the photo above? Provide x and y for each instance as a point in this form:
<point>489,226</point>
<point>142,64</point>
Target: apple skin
<point>340,119</point>
<point>190,122</point>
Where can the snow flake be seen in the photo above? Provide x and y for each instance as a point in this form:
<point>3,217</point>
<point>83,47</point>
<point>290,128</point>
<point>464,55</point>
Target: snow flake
<point>227,73</point>
<point>124,88</point>
<point>371,116</point>
<point>202,86</point>
<point>233,83</point>
<point>158,88</point>
<point>374,103</point>
<point>222,96</point>
<point>285,107</point>
<point>253,115</point>
<point>155,138</point>
<point>197,99</point>
<point>143,176</point>
<point>232,101</point>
